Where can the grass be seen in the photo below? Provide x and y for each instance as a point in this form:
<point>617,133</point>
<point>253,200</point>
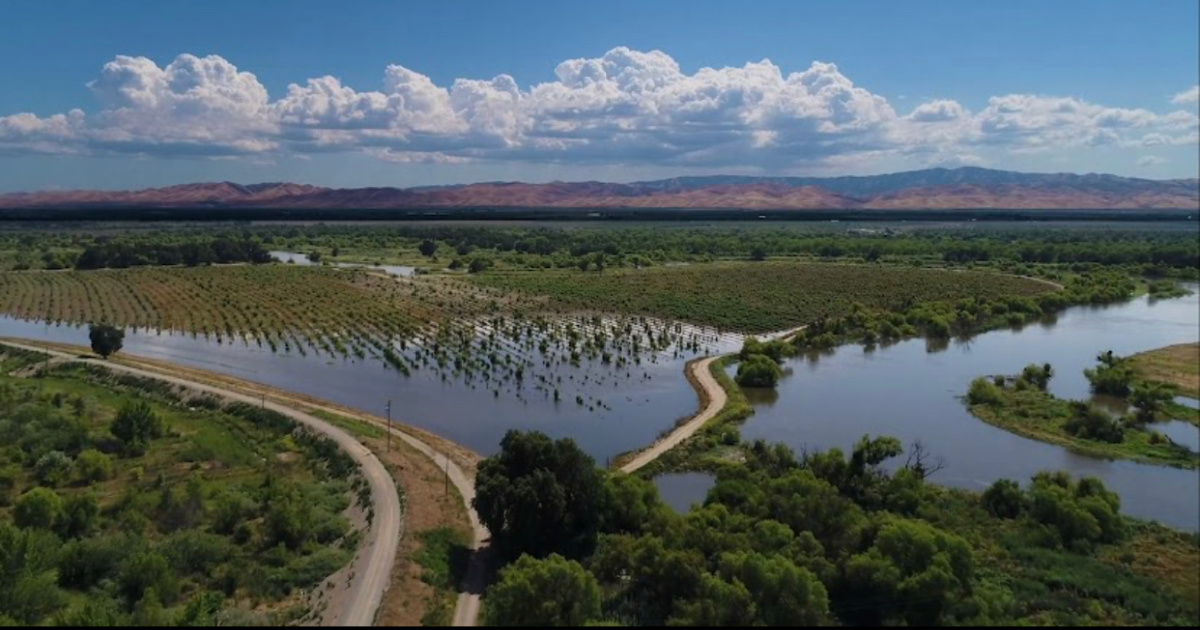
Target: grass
<point>1177,365</point>
<point>755,297</point>
<point>443,556</point>
<point>355,427</point>
<point>1038,415</point>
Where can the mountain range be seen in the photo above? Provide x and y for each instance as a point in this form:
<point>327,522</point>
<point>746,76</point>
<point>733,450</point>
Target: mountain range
<point>938,188</point>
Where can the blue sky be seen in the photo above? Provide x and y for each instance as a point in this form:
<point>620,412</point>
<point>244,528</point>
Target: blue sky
<point>122,94</point>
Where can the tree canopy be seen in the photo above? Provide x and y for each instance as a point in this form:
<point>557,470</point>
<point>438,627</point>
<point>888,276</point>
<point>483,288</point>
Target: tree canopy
<point>540,496</point>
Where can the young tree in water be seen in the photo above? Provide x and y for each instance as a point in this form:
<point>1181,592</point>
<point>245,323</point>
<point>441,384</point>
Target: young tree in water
<point>106,340</point>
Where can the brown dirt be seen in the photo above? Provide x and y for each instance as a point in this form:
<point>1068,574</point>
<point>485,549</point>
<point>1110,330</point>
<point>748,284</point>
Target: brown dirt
<point>429,507</point>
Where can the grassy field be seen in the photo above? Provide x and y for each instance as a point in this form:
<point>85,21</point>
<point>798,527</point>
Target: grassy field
<point>1175,365</point>
<point>756,297</point>
<point>222,515</point>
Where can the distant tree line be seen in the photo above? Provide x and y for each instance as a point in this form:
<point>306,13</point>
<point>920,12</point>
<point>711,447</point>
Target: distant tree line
<point>123,254</point>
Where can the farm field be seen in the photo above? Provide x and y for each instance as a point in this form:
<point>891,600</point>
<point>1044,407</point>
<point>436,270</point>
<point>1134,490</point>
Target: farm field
<point>757,297</point>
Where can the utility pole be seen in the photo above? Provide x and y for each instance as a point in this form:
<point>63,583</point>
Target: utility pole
<point>389,426</point>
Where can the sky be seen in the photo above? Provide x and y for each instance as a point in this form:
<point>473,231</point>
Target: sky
<point>133,94</point>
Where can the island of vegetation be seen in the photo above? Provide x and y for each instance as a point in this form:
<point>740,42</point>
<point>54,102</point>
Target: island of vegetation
<point>1021,404</point>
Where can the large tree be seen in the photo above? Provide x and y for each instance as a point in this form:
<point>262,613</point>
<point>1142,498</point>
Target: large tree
<point>106,340</point>
<point>539,496</point>
<point>550,592</point>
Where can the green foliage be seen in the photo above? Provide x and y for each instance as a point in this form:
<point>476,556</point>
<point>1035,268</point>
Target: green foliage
<point>79,516</point>
<point>52,469</point>
<point>136,425</point>
<point>27,589</point>
<point>1037,375</point>
<point>1114,376</point>
<point>1090,423</point>
<point>155,544</point>
<point>1151,399</point>
<point>756,297</point>
<point>913,571</point>
<point>984,392</point>
<point>92,466</point>
<point>40,508</point>
<point>1078,514</point>
<point>1021,405</point>
<point>1004,499</point>
<point>106,340</point>
<point>758,371</point>
<point>538,496</point>
<point>427,248</point>
<point>548,592</point>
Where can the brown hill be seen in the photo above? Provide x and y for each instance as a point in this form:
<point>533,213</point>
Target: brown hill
<point>966,188</point>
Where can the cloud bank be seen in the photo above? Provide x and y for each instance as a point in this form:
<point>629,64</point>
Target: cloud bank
<point>626,107</point>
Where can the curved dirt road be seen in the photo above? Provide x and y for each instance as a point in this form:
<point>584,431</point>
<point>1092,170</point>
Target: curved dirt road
<point>373,562</point>
<point>709,389</point>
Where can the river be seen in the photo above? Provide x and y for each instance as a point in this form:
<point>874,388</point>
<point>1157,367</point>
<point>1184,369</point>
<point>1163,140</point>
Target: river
<point>913,390</point>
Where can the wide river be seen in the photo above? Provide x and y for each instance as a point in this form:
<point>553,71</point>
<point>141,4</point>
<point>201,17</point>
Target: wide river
<point>913,391</point>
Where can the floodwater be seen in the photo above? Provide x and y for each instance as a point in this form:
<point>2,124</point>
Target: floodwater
<point>913,390</point>
<point>295,258</point>
<point>683,490</point>
<point>607,407</point>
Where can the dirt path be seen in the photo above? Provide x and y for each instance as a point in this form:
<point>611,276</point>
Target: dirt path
<point>372,565</point>
<point>711,391</point>
<point>712,398</point>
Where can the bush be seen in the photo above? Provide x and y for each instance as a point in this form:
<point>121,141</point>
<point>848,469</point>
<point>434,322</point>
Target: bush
<point>984,392</point>
<point>1004,499</point>
<point>92,466</point>
<point>52,469</point>
<point>135,425</point>
<point>758,371</point>
<point>40,508</point>
<point>1090,423</point>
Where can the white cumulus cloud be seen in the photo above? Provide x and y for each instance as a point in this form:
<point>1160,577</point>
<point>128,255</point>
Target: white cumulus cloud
<point>626,107</point>
<point>1186,97</point>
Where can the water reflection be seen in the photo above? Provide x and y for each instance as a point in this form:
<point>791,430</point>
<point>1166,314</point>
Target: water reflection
<point>913,390</point>
<point>302,260</point>
<point>683,490</point>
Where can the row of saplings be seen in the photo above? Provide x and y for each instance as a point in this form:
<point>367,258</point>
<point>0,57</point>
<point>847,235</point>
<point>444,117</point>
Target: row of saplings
<point>823,539</point>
